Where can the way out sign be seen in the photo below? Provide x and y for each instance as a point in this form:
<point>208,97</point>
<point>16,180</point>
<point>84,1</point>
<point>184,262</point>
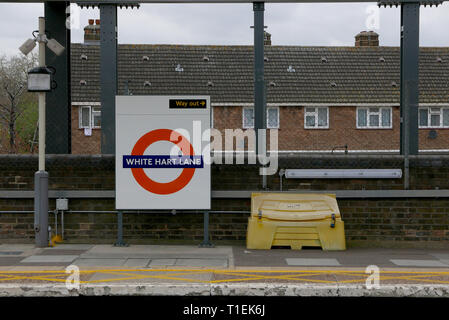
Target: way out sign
<point>162,152</point>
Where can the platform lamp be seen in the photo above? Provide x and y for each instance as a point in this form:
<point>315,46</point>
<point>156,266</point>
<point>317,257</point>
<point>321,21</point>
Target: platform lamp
<point>40,80</point>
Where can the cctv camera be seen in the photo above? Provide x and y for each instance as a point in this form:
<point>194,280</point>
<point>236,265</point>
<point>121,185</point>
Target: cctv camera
<point>27,46</point>
<point>55,46</point>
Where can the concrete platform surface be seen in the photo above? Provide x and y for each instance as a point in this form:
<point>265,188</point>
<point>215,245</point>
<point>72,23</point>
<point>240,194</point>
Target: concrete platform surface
<point>226,270</point>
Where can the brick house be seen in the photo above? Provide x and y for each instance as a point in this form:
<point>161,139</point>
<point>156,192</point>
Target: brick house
<point>320,98</point>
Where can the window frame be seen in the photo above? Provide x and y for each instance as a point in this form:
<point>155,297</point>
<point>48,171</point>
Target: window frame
<point>268,127</point>
<point>91,117</point>
<point>92,111</point>
<point>211,117</point>
<point>80,117</point>
<point>315,113</point>
<point>368,113</point>
<point>243,118</point>
<point>277,120</point>
<point>429,114</point>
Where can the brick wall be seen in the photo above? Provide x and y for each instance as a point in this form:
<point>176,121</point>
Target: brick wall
<point>292,135</point>
<point>393,222</point>
<point>97,172</point>
<point>82,144</point>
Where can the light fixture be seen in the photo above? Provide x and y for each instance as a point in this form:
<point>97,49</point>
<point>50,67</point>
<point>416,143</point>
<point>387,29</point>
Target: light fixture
<point>52,44</point>
<point>27,46</point>
<point>343,173</point>
<point>40,79</point>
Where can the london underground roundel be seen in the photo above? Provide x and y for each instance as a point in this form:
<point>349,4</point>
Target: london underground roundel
<point>159,187</point>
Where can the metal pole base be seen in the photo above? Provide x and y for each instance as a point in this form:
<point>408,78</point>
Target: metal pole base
<point>41,209</point>
<point>120,242</point>
<point>206,243</point>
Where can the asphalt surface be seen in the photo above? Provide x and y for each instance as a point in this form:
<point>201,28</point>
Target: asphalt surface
<point>148,256</point>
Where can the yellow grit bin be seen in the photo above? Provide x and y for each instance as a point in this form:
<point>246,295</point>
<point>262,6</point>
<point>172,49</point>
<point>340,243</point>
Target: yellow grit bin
<point>295,220</point>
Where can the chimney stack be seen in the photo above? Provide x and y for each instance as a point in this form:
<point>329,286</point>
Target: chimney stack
<point>266,38</point>
<point>92,32</point>
<point>367,39</point>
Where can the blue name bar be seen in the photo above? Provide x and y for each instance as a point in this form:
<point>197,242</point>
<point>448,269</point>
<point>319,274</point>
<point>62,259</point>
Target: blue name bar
<point>163,161</point>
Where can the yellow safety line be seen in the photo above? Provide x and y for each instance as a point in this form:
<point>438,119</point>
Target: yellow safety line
<point>216,270</point>
<point>258,278</point>
<point>137,276</point>
<point>383,278</point>
<point>245,273</point>
<point>9,278</point>
<point>37,278</point>
<point>249,275</point>
<point>286,277</point>
<point>433,281</point>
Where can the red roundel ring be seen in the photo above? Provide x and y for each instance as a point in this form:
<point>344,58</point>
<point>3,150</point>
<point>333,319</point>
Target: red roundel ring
<point>162,135</point>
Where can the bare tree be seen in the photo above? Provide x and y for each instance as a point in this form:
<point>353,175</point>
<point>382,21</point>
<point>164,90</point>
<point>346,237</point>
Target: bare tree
<point>13,92</point>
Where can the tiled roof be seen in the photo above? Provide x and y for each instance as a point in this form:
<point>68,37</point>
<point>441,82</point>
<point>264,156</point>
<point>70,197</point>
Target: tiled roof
<point>321,74</point>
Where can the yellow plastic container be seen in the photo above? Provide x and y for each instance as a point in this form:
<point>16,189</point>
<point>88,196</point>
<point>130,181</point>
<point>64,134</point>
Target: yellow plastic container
<point>295,220</point>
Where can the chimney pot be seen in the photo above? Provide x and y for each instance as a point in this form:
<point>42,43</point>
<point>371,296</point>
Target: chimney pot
<point>367,39</point>
<point>92,32</point>
<point>266,38</point>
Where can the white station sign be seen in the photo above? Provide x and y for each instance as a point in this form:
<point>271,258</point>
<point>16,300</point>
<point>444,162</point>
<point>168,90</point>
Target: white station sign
<point>162,152</point>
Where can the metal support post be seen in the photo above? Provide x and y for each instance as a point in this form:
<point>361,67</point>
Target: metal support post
<point>41,176</point>
<point>56,221</point>
<point>108,75</point>
<point>62,225</point>
<point>120,242</point>
<point>58,110</point>
<point>409,84</point>
<point>260,100</point>
<point>41,209</point>
<point>206,243</point>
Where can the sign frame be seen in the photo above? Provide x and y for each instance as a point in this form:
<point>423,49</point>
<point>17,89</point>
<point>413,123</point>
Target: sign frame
<point>152,121</point>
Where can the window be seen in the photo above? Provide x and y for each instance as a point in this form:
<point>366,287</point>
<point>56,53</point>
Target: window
<point>89,117</point>
<point>211,117</point>
<point>316,118</point>
<point>433,117</point>
<point>84,117</point>
<point>372,118</point>
<point>96,117</point>
<point>248,118</point>
<point>272,117</point>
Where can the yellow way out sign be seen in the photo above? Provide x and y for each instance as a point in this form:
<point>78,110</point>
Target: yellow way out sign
<point>188,104</point>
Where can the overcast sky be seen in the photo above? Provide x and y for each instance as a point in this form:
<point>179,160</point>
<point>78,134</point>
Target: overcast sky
<point>289,24</point>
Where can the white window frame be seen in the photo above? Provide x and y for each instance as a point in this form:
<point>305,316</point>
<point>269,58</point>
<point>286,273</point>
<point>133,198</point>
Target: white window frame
<point>368,113</point>
<point>315,114</point>
<point>243,118</point>
<point>91,117</point>
<point>80,117</point>
<point>273,127</point>
<point>429,114</point>
<point>211,117</point>
<point>252,127</point>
